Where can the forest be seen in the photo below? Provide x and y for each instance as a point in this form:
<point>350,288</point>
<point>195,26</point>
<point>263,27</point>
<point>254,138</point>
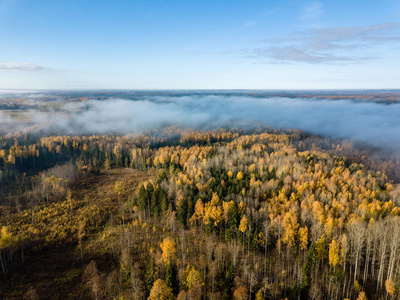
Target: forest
<point>178,213</point>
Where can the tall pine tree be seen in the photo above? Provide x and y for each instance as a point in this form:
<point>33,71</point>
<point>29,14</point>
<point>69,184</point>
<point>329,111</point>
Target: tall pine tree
<point>171,278</point>
<point>229,279</point>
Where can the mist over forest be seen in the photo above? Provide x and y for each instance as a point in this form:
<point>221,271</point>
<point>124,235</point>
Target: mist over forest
<point>373,122</point>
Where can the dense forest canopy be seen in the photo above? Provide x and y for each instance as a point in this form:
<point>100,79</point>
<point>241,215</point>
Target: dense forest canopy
<point>179,213</point>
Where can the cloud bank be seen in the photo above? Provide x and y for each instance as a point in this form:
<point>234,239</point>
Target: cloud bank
<point>377,124</point>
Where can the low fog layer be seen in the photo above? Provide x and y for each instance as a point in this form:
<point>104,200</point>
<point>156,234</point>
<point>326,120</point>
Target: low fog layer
<point>378,124</point>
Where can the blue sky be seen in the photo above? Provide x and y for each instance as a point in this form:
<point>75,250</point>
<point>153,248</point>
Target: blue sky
<point>154,44</point>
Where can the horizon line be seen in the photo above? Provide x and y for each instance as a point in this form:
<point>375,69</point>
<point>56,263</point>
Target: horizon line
<point>183,89</point>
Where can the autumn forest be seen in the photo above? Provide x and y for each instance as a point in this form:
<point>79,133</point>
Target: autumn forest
<point>183,214</point>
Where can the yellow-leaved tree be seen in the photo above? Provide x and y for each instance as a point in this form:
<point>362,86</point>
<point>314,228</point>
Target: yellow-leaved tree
<point>198,212</point>
<point>160,291</point>
<point>195,283</point>
<point>391,287</point>
<point>243,224</point>
<point>334,254</point>
<point>362,296</point>
<point>303,237</point>
<point>168,249</point>
<point>5,239</point>
<point>259,295</point>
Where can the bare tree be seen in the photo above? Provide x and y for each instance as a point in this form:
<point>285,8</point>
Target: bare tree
<point>92,278</point>
<point>394,246</point>
<point>383,242</point>
<point>356,232</point>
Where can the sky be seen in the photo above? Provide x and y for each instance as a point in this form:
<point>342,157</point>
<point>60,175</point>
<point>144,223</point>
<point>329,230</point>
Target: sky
<point>205,44</point>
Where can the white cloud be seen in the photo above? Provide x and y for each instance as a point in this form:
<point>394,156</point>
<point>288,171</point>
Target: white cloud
<point>23,67</point>
<point>339,45</point>
<point>290,54</point>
